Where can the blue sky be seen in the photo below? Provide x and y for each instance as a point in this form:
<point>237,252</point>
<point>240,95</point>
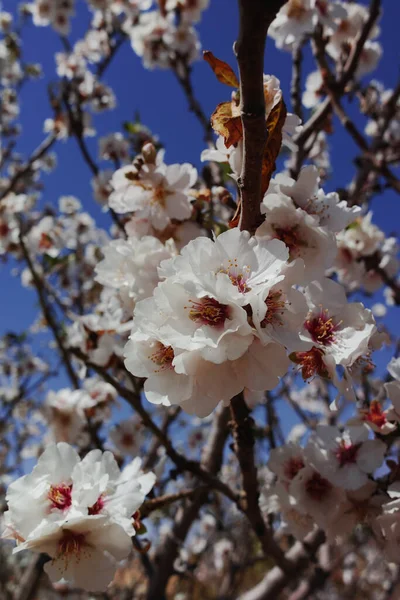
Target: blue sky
<point>163,107</point>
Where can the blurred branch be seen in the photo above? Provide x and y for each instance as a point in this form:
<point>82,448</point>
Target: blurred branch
<point>36,155</point>
<point>276,579</point>
<point>48,313</point>
<point>186,84</point>
<point>168,552</point>
<point>243,436</point>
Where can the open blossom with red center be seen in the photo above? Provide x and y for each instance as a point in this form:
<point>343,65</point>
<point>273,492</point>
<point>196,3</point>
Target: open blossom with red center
<point>293,466</point>
<point>341,329</point>
<point>208,311</point>
<point>322,328</point>
<point>162,357</point>
<point>97,506</point>
<point>60,496</point>
<point>317,487</point>
<point>346,453</point>
<point>346,458</point>
<point>291,237</point>
<point>311,363</point>
<point>275,307</point>
<point>286,461</point>
<point>70,544</point>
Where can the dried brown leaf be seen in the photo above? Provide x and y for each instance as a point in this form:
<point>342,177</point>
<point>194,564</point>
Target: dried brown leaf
<point>222,70</point>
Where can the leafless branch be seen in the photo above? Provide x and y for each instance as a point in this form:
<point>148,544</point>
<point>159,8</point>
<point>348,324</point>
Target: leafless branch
<point>255,19</point>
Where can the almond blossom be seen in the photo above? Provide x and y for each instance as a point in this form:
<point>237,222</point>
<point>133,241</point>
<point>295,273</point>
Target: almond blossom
<point>300,232</point>
<point>345,458</point>
<point>80,513</point>
<point>159,193</point>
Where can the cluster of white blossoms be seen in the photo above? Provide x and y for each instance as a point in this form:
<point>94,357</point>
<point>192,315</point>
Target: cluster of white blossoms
<point>328,483</point>
<point>68,412</point>
<point>227,311</point>
<point>154,191</point>
<point>340,23</point>
<point>81,513</point>
<point>56,13</point>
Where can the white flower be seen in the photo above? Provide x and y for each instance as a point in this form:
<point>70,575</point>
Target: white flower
<point>315,495</point>
<point>278,499</point>
<point>84,550</point>
<point>196,384</point>
<point>369,58</point>
<point>44,494</point>
<point>65,413</point>
<point>328,209</point>
<point>278,311</point>
<point>286,461</point>
<point>114,147</point>
<point>157,40</point>
<point>348,26</point>
<point>336,327</point>
<point>359,506</point>
<point>203,317</point>
<point>314,91</point>
<point>99,488</point>
<point>221,154</point>
<point>131,265</point>
<point>80,513</point>
<point>294,20</point>
<point>300,232</point>
<point>189,10</point>
<point>127,436</point>
<point>345,458</point>
<point>389,529</point>
<point>235,261</point>
<point>158,194</point>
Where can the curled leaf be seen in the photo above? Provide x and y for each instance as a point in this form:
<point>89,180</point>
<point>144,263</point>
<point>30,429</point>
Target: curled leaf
<point>226,121</point>
<point>222,70</point>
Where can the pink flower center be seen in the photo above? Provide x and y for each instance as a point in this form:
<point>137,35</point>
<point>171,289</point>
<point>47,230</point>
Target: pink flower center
<point>97,506</point>
<point>311,363</point>
<point>208,311</point>
<point>293,466</point>
<point>238,275</point>
<point>275,308</point>
<point>290,236</point>
<point>70,544</point>
<point>60,496</point>
<point>127,440</point>
<point>162,357</point>
<point>346,454</point>
<point>322,328</point>
<point>317,487</point>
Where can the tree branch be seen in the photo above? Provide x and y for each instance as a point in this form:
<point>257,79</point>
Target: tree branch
<point>243,436</point>
<point>211,461</point>
<point>255,19</point>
